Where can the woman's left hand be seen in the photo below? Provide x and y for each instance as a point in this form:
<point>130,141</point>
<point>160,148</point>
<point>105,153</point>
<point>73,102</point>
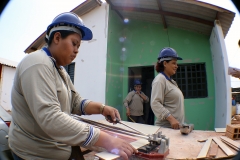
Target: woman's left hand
<point>113,112</point>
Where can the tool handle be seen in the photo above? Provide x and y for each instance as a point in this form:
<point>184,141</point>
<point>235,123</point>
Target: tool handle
<point>109,118</point>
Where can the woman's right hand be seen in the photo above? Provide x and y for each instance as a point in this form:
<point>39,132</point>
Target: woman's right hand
<point>115,145</point>
<point>128,112</point>
<point>174,123</point>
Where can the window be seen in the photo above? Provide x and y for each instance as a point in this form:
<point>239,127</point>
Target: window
<point>70,70</point>
<point>191,79</point>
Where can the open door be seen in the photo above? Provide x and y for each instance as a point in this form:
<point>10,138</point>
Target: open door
<point>146,75</point>
<point>221,77</point>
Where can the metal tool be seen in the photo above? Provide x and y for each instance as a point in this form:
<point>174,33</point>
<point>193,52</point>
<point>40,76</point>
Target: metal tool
<point>186,128</point>
<point>118,121</point>
<point>157,148</point>
<point>131,119</point>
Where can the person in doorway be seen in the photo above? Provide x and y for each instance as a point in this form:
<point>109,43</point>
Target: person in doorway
<point>43,99</point>
<point>134,103</point>
<point>167,100</point>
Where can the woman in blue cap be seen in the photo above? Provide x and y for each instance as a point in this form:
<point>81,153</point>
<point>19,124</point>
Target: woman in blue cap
<point>167,100</point>
<point>134,103</point>
<point>43,99</point>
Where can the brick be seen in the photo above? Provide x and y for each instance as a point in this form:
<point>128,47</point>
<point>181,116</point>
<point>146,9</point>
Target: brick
<point>233,128</point>
<point>232,136</point>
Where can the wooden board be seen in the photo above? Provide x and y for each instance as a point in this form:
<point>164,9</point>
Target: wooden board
<point>213,150</point>
<point>225,148</point>
<point>230,145</point>
<point>205,148</point>
<point>234,143</point>
<point>106,155</point>
<point>187,146</point>
<point>136,144</point>
<point>183,146</point>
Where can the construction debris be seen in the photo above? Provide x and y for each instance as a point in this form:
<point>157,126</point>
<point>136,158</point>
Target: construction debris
<point>233,131</point>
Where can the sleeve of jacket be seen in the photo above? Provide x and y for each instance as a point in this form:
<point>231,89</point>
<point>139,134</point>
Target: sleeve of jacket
<point>147,100</point>
<point>128,99</point>
<point>38,86</point>
<point>78,103</point>
<point>157,99</point>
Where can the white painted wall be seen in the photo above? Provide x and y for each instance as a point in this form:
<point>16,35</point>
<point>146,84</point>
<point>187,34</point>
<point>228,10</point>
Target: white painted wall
<point>6,86</point>
<point>222,79</point>
<point>90,64</point>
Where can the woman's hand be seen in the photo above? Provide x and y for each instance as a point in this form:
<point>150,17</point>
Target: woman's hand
<point>113,112</point>
<point>174,123</point>
<point>115,145</point>
<point>128,112</point>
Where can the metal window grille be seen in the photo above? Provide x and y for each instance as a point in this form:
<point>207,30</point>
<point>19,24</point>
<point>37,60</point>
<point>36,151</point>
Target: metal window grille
<point>70,70</point>
<point>191,79</point>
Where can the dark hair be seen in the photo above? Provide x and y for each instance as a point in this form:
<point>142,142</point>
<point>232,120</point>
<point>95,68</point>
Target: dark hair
<point>159,67</point>
<point>63,33</point>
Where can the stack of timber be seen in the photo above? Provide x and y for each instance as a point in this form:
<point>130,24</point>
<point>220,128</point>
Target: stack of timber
<point>233,131</point>
<point>212,145</point>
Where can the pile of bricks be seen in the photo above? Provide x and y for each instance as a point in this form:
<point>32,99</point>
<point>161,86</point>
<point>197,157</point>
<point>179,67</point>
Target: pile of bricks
<point>233,131</point>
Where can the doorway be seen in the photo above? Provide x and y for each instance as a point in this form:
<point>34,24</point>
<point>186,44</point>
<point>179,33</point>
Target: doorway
<point>146,75</point>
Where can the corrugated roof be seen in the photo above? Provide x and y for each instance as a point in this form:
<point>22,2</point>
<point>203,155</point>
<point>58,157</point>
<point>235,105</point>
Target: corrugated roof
<point>9,63</point>
<point>80,10</point>
<point>185,14</point>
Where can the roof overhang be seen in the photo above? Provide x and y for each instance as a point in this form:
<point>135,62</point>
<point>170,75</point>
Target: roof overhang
<point>8,63</point>
<point>185,14</point>
<point>80,10</point>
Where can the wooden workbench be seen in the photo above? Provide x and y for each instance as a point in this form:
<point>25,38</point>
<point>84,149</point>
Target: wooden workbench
<point>181,146</point>
<point>187,146</point>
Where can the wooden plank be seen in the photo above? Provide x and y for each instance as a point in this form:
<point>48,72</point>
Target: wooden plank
<point>205,148</point>
<point>223,147</point>
<point>230,145</point>
<point>234,143</point>
<point>220,130</point>
<point>107,155</point>
<point>213,150</point>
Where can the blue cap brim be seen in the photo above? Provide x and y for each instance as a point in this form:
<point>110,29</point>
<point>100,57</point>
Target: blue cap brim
<point>179,58</point>
<point>87,33</point>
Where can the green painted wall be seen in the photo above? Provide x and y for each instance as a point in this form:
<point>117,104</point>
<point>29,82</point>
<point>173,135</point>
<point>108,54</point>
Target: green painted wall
<point>114,80</point>
<point>142,43</point>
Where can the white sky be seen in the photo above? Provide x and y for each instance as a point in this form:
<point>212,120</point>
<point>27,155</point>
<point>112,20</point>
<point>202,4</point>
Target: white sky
<point>22,21</point>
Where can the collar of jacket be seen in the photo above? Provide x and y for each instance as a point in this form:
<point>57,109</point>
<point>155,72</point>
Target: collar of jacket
<point>166,76</point>
<point>50,55</point>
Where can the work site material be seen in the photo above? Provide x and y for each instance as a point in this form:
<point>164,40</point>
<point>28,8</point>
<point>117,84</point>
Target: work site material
<point>202,140</point>
<point>234,144</point>
<point>181,147</point>
<point>237,117</point>
<point>233,131</point>
<point>186,128</point>
<point>157,146</point>
<point>131,119</point>
<point>205,148</point>
<point>224,147</point>
<point>213,150</point>
<point>118,121</point>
